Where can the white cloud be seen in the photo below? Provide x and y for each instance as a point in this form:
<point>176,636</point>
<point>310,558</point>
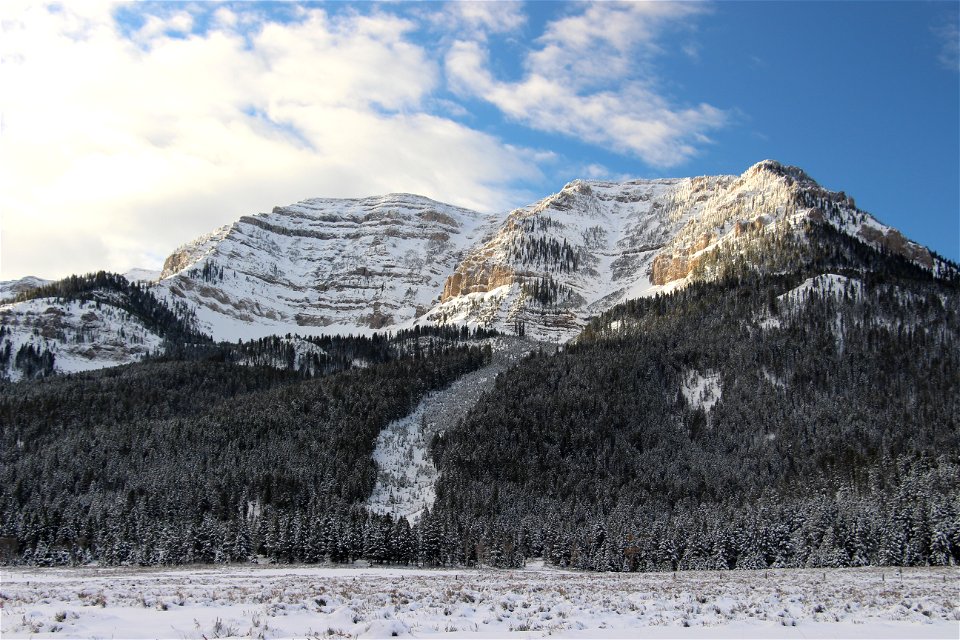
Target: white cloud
<point>116,150</point>
<point>478,19</point>
<point>495,17</point>
<point>606,41</point>
<point>225,18</point>
<point>949,35</point>
<point>591,78</point>
<point>596,171</point>
<point>178,23</point>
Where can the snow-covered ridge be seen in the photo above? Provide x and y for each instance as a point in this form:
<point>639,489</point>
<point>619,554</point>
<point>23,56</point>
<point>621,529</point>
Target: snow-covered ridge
<point>327,266</point>
<point>10,289</point>
<point>826,284</point>
<point>554,264</point>
<point>192,252</point>
<point>889,307</point>
<point>81,335</point>
<point>323,266</point>
<point>769,199</point>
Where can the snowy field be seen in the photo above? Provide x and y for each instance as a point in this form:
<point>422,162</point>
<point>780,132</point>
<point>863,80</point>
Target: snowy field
<point>321,602</point>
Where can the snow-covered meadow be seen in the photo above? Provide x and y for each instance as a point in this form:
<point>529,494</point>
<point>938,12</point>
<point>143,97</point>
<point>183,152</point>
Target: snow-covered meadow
<point>322,602</point>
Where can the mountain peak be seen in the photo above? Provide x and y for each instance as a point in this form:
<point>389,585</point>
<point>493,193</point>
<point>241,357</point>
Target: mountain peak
<point>795,174</point>
<point>326,265</point>
<point>323,266</point>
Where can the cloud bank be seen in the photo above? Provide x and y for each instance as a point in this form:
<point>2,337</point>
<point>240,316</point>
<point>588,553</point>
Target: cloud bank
<point>124,137</point>
<point>590,77</point>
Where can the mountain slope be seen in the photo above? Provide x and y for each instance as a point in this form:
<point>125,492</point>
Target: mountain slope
<point>87,322</point>
<point>322,266</point>
<point>751,422</point>
<point>555,264</point>
<point>326,266</point>
<point>45,336</point>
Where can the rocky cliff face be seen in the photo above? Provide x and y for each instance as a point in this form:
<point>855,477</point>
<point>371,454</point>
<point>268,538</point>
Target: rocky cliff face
<point>323,266</point>
<point>766,199</point>
<point>349,266</point>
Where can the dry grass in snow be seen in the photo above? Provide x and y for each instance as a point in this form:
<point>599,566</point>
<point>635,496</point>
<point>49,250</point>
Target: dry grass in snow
<point>327,602</point>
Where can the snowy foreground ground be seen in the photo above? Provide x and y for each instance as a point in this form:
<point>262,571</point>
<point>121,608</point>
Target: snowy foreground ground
<point>318,602</point>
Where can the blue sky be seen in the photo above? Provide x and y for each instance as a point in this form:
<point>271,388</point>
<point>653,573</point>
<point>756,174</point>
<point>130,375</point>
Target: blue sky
<point>131,128</point>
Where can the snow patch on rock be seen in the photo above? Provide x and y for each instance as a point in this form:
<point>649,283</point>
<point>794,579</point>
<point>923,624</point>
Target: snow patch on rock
<point>824,285</point>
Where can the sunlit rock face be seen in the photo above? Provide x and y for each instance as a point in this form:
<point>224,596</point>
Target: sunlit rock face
<point>375,264</point>
<point>323,266</point>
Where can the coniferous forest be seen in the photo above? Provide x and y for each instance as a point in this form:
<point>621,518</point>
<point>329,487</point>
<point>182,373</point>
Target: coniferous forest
<point>731,424</point>
<point>834,443</point>
<point>174,462</point>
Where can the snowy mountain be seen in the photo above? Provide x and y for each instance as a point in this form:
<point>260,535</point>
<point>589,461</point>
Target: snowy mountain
<point>323,266</point>
<point>10,289</point>
<point>593,245</point>
<point>327,266</point>
<point>360,266</point>
<point>792,403</point>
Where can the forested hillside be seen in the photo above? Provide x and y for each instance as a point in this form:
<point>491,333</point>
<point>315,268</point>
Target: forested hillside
<point>199,461</point>
<point>750,422</point>
<point>795,403</point>
<point>176,323</point>
<point>88,322</point>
